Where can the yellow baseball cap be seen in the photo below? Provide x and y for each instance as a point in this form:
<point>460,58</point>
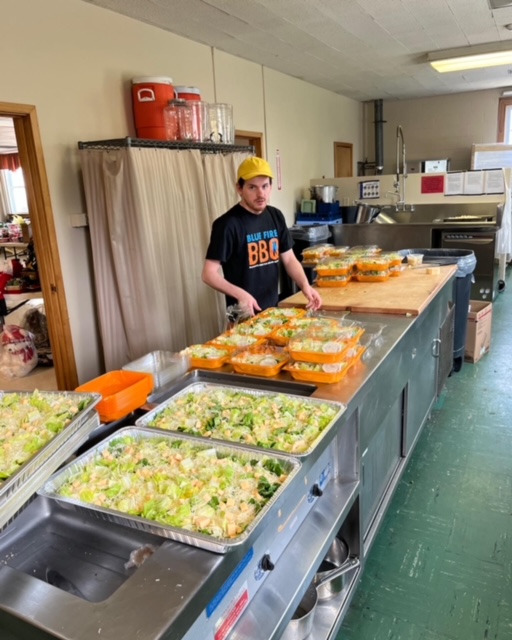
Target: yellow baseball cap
<point>252,167</point>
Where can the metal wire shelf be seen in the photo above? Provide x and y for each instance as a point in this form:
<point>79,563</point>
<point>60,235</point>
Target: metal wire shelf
<point>204,147</point>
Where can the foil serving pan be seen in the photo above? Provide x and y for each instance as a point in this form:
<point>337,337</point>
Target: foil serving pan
<point>16,490</point>
<point>200,387</point>
<point>218,545</point>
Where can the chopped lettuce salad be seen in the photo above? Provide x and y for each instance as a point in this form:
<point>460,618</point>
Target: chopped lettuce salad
<point>322,368</point>
<point>274,421</point>
<point>259,326</point>
<point>263,358</point>
<point>301,324</point>
<point>205,352</point>
<point>235,340</point>
<point>177,483</point>
<point>29,421</point>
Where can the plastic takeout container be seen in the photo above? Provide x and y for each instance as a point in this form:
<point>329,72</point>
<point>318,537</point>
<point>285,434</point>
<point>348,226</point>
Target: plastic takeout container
<point>309,346</point>
<point>334,267</point>
<point>233,340</point>
<point>207,356</point>
<point>414,259</point>
<point>315,253</point>
<point>333,281</point>
<point>324,373</point>
<point>122,392</point>
<point>164,366</point>
<point>265,360</point>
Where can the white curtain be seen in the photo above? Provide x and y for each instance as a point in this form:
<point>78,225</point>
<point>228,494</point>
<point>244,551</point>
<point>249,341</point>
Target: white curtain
<point>5,201</point>
<point>150,213</point>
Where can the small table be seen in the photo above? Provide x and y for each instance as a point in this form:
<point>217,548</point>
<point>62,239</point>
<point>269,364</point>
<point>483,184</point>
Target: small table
<point>13,246</point>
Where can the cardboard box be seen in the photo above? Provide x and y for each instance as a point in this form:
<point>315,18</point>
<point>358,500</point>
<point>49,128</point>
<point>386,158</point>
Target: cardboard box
<point>478,337</point>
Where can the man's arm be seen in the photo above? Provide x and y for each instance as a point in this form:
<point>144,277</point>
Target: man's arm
<point>213,277</point>
<point>296,272</point>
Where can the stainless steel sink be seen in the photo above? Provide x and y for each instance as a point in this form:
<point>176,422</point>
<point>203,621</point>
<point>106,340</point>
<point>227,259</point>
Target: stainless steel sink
<point>477,214</point>
<point>70,552</point>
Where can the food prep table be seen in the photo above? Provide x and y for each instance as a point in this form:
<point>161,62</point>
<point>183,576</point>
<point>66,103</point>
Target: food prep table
<point>183,592</point>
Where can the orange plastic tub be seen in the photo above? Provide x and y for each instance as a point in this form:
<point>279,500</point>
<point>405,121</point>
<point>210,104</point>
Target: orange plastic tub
<point>263,361</point>
<point>333,281</point>
<point>366,277</point>
<point>122,391</point>
<point>319,374</point>
<point>217,356</point>
<point>334,267</point>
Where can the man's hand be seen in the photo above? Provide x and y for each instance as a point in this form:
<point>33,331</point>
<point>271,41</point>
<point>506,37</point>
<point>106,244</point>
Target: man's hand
<point>314,299</point>
<point>246,301</point>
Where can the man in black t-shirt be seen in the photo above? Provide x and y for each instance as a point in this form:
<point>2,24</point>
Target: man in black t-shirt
<point>248,242</point>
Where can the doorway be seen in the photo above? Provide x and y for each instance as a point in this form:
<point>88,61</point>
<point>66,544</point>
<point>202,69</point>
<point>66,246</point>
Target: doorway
<point>343,160</point>
<point>252,138</point>
<point>30,152</point>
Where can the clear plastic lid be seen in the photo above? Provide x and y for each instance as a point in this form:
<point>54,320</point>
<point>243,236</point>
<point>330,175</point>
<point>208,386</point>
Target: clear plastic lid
<point>339,265</point>
<point>365,250</point>
<point>370,263</point>
<point>337,251</point>
<point>394,257</point>
<point>316,252</point>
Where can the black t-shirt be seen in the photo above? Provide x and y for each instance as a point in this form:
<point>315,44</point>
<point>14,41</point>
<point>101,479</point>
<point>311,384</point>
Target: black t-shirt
<point>248,246</point>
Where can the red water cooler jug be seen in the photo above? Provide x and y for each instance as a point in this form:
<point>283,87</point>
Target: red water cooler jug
<point>150,96</point>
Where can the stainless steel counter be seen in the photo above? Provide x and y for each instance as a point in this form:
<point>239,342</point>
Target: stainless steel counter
<point>179,590</point>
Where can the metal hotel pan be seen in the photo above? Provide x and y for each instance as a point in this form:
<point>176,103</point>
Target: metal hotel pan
<point>200,387</point>
<point>218,545</point>
<point>16,490</point>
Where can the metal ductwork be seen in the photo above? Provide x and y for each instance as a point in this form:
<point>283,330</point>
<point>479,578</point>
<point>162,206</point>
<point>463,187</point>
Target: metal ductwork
<point>379,138</point>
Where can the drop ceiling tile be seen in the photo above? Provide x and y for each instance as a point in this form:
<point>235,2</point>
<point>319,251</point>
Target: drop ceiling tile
<point>344,45</point>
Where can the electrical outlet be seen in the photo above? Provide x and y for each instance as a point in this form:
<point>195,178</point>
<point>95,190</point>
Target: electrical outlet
<point>79,220</point>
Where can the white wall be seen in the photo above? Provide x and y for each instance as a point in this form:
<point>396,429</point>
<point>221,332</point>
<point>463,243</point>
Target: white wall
<point>435,128</point>
<point>74,62</point>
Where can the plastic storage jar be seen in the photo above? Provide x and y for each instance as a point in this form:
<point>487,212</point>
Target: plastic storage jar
<point>178,120</point>
<point>200,116</point>
<point>221,123</point>
<point>188,93</point>
<point>150,96</point>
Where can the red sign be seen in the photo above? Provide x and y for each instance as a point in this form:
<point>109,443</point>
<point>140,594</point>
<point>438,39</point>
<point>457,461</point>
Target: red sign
<point>432,184</point>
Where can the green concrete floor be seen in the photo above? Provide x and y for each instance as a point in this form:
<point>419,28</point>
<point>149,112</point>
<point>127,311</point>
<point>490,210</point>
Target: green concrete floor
<point>441,564</point>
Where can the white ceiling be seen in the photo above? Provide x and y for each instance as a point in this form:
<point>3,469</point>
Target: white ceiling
<point>362,49</point>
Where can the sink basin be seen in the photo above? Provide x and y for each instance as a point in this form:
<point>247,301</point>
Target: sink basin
<point>86,558</point>
<point>470,213</point>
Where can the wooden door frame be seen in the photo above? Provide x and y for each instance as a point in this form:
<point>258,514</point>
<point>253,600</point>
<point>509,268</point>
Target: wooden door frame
<point>255,139</point>
<point>41,217</point>
<point>346,145</point>
<point>503,104</point>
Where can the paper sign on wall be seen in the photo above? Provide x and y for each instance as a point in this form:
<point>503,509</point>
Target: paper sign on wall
<point>473,183</point>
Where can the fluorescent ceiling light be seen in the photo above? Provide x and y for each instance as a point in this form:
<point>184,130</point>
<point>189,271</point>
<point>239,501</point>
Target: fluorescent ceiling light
<point>478,57</point>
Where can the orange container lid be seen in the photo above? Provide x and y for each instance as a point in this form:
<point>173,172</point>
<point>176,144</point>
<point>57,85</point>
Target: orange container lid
<point>122,392</point>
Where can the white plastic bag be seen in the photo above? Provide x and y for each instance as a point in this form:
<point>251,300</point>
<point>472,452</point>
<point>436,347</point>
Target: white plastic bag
<point>18,352</point>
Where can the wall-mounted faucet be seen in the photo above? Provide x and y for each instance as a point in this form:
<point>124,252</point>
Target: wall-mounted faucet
<point>401,173</point>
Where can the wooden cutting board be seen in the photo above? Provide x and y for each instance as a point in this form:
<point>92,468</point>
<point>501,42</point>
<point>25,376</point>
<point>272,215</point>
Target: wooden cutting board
<point>408,294</point>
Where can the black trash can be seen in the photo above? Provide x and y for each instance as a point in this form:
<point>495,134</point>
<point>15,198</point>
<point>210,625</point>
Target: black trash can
<point>466,262</point>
